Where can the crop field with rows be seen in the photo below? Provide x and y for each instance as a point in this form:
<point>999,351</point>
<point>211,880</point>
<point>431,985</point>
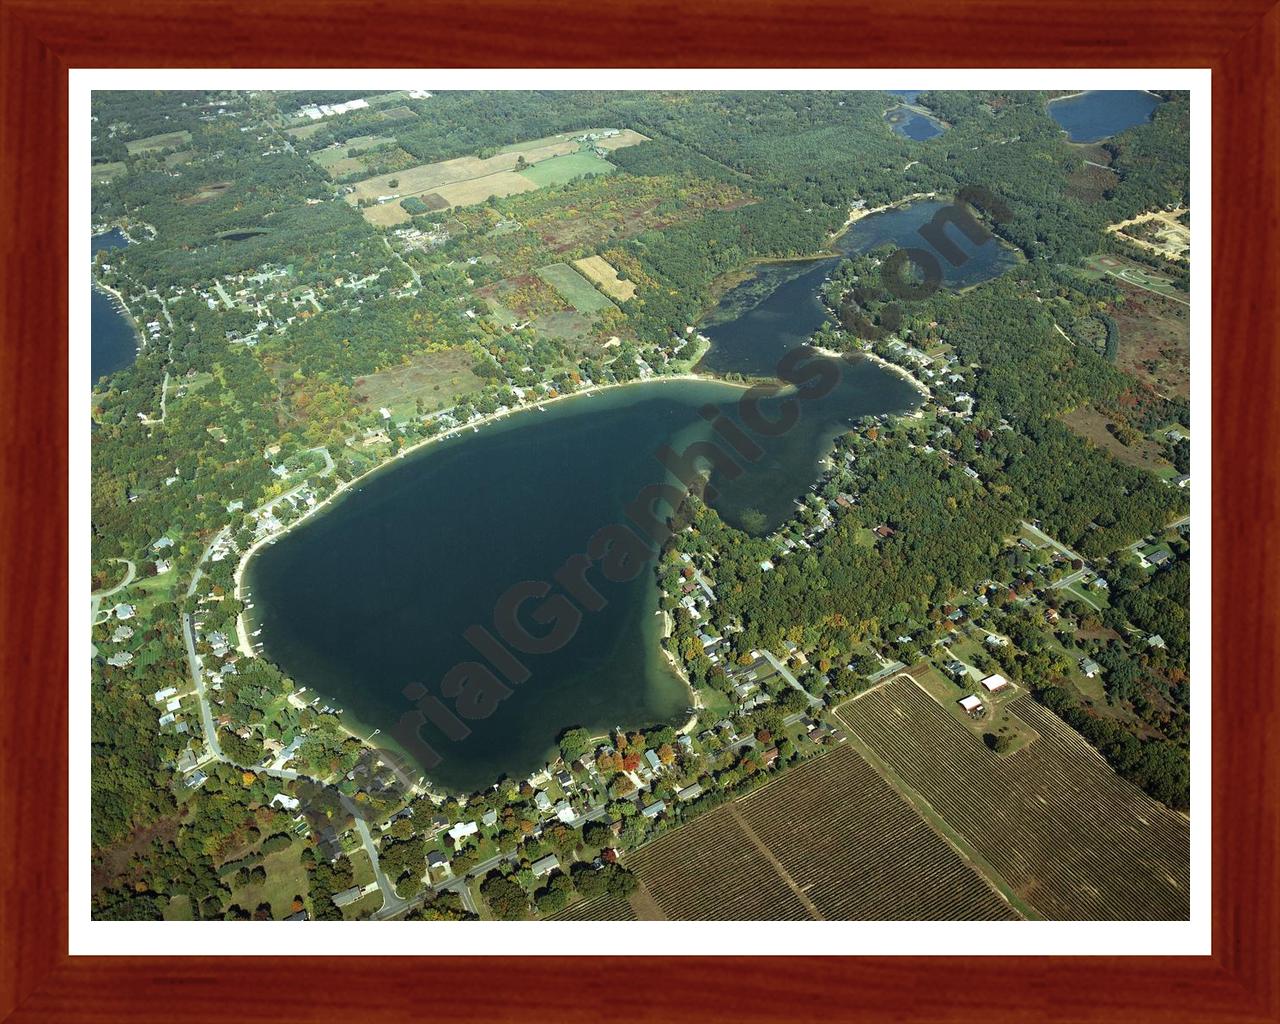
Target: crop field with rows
<point>829,840</point>
<point>1067,835</point>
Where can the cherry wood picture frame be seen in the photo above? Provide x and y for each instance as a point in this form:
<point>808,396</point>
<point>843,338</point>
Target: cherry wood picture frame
<point>41,39</point>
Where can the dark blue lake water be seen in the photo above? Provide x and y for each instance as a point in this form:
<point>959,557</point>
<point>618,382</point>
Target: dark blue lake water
<point>1093,116</point>
<point>114,343</point>
<point>376,593</point>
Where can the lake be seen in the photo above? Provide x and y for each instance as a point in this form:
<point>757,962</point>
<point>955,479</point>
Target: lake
<point>1094,116</point>
<point>113,341</point>
<point>912,124</point>
<point>375,593</point>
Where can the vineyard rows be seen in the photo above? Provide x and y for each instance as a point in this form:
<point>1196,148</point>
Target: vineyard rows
<point>1070,837</point>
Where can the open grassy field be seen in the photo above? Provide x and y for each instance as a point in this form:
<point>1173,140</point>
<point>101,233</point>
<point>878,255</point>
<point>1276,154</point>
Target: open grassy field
<point>560,169</point>
<point>1061,829</point>
<point>107,171</point>
<point>1143,452</point>
<point>1155,341</point>
<point>286,878</point>
<point>437,378</point>
<point>599,270</point>
<point>338,160</point>
<point>386,215</point>
<point>624,138</point>
<point>206,193</point>
<point>574,288</point>
<point>477,190</point>
<point>1134,274</point>
<point>828,840</point>
<point>153,143</point>
<point>430,177</point>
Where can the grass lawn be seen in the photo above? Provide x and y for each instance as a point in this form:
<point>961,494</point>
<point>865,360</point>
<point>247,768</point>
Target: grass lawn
<point>145,594</point>
<point>715,701</point>
<point>361,869</point>
<point>559,169</point>
<point>286,878</point>
<point>575,289</point>
<point>179,908</point>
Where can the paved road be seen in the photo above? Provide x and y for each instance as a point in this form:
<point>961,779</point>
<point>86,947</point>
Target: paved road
<point>1050,541</point>
<point>792,681</point>
<point>197,676</point>
<point>95,600</point>
<point>391,903</point>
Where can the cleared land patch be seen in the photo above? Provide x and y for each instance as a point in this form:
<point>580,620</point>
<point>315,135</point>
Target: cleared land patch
<point>624,138</point>
<point>574,288</point>
<point>1070,837</point>
<point>430,177</point>
<point>560,169</point>
<point>107,171</point>
<point>437,378</point>
<point>599,270</point>
<point>1143,452</point>
<point>206,193</point>
<point>1160,232</point>
<point>153,143</point>
<point>1155,341</point>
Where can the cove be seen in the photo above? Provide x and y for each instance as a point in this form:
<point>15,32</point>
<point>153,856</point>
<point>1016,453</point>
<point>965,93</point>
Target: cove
<point>113,340</point>
<point>1094,116</point>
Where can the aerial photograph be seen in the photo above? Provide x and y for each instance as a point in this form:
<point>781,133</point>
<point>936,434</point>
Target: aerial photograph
<point>663,505</point>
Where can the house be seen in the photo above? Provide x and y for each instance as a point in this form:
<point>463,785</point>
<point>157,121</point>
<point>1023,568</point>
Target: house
<point>972,704</point>
<point>690,792</point>
<point>545,865</point>
<point>196,779</point>
<point>289,803</point>
<point>686,744</point>
<point>957,668</point>
<point>1183,481</point>
<point>162,695</point>
<point>654,762</point>
<point>994,683</point>
<point>436,859</point>
<point>301,915</point>
<point>1051,615</point>
<point>489,819</point>
<point>186,760</point>
<point>1156,640</point>
<point>1158,557</point>
<point>565,812</point>
<point>1089,667</point>
<point>347,896</point>
<point>123,611</point>
<point>542,801</point>
<point>654,809</point>
<point>565,779</point>
<point>769,757</point>
<point>996,641</point>
<point>460,831</point>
